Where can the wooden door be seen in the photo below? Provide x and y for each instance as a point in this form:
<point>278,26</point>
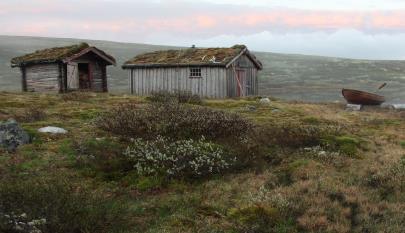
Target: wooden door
<point>240,82</point>
<point>72,76</point>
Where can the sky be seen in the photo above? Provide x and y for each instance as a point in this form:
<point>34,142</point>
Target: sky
<point>367,29</point>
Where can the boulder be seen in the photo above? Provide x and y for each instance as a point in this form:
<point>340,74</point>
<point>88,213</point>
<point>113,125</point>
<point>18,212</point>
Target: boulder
<point>52,130</point>
<point>12,135</point>
<point>353,107</point>
<point>399,106</point>
<point>387,106</point>
<point>264,101</point>
<point>251,108</point>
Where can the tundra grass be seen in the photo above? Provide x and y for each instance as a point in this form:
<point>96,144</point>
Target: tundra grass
<point>293,190</point>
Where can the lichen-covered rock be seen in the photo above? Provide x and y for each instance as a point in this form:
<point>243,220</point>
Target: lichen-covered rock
<point>12,135</point>
<point>353,107</point>
<point>264,101</point>
<point>52,130</point>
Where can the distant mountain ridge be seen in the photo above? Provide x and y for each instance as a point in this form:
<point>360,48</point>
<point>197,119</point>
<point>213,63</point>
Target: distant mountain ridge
<point>287,76</point>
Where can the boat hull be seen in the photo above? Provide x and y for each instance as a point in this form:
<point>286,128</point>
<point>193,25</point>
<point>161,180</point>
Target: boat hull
<point>362,97</point>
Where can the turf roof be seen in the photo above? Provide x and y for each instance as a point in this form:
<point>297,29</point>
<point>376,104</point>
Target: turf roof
<point>49,55</point>
<point>191,56</point>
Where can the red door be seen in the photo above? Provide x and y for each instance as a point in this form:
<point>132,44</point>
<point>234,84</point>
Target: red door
<point>240,83</point>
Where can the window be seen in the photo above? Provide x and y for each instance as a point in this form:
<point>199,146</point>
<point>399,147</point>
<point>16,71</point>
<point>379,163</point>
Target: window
<point>195,72</point>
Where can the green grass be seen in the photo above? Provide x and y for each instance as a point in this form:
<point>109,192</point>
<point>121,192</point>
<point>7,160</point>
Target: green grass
<point>284,190</point>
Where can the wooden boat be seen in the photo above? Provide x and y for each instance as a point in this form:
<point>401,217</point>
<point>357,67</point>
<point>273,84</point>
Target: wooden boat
<point>362,97</point>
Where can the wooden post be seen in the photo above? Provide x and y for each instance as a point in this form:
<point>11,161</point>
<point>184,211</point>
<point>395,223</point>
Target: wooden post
<point>90,75</point>
<point>60,77</point>
<point>104,76</point>
<point>131,81</point>
<point>24,78</point>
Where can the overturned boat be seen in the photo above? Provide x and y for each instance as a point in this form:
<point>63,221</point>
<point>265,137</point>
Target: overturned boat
<point>362,97</point>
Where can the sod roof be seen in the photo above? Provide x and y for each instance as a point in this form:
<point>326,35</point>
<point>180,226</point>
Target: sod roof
<point>56,54</point>
<point>191,56</point>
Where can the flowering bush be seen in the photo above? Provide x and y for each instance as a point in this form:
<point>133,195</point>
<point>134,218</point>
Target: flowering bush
<point>19,223</point>
<point>49,205</point>
<point>184,158</point>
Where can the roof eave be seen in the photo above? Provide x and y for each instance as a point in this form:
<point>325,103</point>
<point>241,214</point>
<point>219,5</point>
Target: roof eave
<point>21,64</point>
<point>108,58</point>
<point>153,65</point>
<point>246,51</point>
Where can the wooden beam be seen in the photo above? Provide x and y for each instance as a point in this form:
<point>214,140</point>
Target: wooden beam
<point>104,77</point>
<point>24,78</point>
<point>60,77</point>
<point>131,81</point>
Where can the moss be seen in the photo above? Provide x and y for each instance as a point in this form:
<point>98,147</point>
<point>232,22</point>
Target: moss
<point>348,145</point>
<point>402,143</point>
<point>49,55</point>
<point>66,149</point>
<point>143,183</point>
<point>285,174</point>
<point>188,56</point>
<point>257,218</point>
<point>311,120</point>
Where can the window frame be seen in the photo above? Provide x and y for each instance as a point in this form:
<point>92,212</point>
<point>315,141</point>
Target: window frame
<point>195,72</point>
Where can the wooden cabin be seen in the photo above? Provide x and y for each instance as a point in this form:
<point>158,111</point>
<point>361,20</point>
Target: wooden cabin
<point>207,72</point>
<point>63,69</point>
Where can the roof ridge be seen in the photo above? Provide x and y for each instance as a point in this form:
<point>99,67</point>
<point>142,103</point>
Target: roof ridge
<point>192,56</point>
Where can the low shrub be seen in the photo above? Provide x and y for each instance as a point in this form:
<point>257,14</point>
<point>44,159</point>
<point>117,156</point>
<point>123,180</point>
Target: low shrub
<point>390,179</point>
<point>103,157</point>
<point>258,218</point>
<point>176,96</point>
<point>173,120</point>
<point>48,205</point>
<point>32,114</point>
<point>76,96</point>
<point>179,159</point>
<point>296,135</point>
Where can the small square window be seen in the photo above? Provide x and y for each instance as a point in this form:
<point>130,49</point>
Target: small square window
<point>195,72</point>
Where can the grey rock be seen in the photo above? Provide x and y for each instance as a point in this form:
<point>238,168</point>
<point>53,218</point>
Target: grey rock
<point>264,101</point>
<point>387,106</point>
<point>353,107</point>
<point>52,130</point>
<point>251,108</point>
<point>12,135</point>
<point>399,106</point>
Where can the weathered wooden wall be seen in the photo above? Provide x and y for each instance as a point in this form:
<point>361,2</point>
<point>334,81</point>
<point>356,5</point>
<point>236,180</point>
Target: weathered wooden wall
<point>216,82</point>
<point>42,77</point>
<point>250,84</point>
<point>212,84</point>
<point>98,82</point>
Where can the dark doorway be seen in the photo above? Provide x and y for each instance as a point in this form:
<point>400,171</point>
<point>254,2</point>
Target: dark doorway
<point>84,76</point>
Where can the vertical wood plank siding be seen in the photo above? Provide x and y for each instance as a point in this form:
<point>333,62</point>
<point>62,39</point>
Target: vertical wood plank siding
<point>215,82</point>
<point>43,77</point>
<point>212,84</point>
<point>243,63</point>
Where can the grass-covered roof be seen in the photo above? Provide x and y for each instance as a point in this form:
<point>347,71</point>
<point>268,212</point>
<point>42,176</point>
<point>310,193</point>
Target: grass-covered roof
<point>49,55</point>
<point>191,56</point>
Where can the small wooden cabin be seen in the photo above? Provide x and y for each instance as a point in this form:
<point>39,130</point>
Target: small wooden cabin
<point>63,69</point>
<point>207,72</point>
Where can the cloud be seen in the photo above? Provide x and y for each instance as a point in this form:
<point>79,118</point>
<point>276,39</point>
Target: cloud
<point>181,22</point>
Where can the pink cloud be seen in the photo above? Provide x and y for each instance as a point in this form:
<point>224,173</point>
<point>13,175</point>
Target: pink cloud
<point>59,17</point>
